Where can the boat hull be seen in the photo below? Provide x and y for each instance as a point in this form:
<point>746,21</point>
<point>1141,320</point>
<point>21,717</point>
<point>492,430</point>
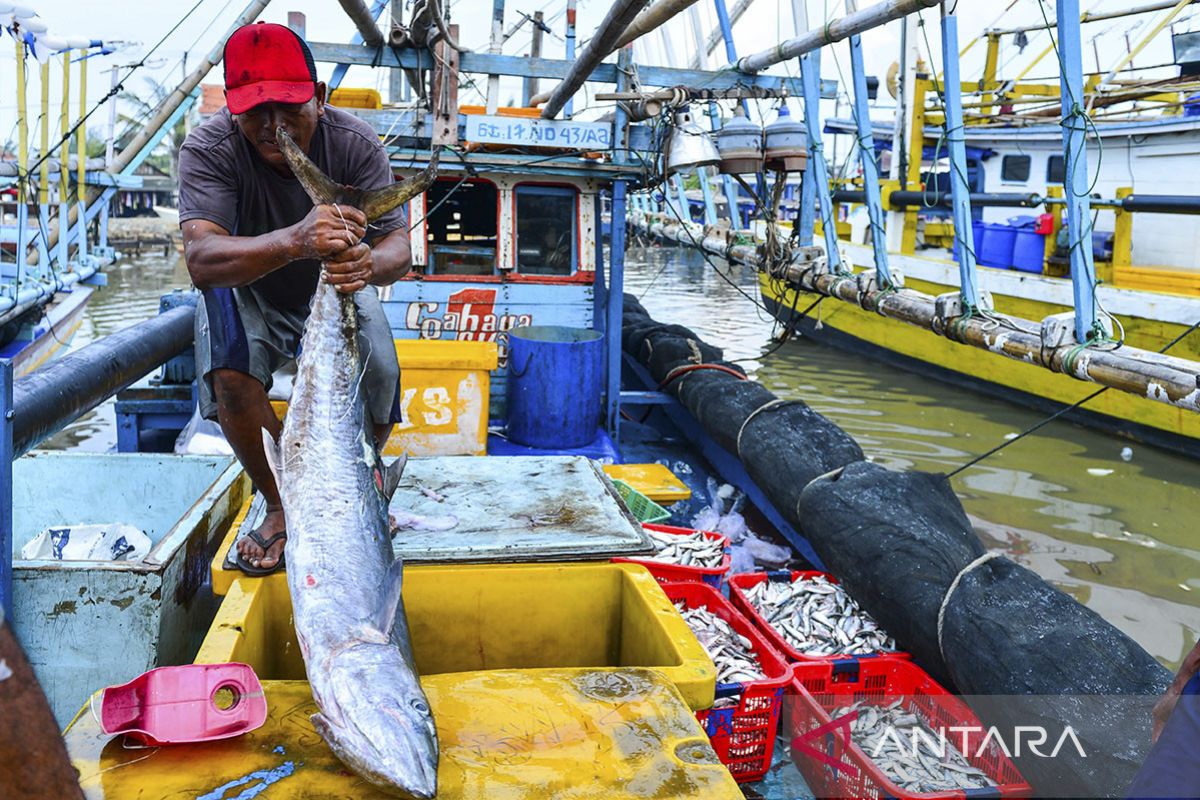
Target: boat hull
<point>853,328</point>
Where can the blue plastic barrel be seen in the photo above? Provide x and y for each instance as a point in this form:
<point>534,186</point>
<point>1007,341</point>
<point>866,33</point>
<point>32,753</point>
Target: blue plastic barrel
<point>996,249</point>
<point>976,239</point>
<point>554,376</point>
<point>1029,250</point>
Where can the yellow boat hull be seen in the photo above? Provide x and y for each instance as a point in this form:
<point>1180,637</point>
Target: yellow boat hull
<point>845,325</point>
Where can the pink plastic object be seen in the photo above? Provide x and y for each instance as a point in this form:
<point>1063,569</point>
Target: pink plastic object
<point>189,703</point>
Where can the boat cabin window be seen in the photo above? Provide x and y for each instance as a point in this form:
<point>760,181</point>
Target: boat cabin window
<point>546,236</point>
<point>1015,169</point>
<point>462,227</point>
<point>1056,169</point>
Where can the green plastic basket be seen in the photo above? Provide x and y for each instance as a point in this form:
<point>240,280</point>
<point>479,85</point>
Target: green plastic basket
<point>642,507</point>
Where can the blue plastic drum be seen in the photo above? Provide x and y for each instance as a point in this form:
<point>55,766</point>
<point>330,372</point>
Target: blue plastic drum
<point>996,249</point>
<point>554,385</point>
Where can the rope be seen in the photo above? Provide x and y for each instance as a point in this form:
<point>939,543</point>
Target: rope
<point>983,559</point>
<point>776,403</point>
<point>686,368</point>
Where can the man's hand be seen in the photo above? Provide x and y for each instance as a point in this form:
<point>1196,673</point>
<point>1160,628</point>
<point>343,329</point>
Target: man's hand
<point>1166,703</point>
<point>328,231</point>
<point>351,269</point>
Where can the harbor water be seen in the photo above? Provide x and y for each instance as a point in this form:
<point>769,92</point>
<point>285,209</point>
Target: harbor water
<point>1103,518</point>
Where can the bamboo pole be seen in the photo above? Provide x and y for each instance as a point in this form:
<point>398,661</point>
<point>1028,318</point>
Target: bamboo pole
<point>81,135</point>
<point>43,150</point>
<point>650,19</point>
<point>64,170</point>
<point>835,31</point>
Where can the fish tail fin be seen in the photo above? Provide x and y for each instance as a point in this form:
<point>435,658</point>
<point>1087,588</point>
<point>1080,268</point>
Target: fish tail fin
<point>319,186</point>
<point>377,202</point>
<point>274,458</point>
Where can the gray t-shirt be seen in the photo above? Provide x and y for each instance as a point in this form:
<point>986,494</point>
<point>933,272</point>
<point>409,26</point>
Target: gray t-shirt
<point>222,179</point>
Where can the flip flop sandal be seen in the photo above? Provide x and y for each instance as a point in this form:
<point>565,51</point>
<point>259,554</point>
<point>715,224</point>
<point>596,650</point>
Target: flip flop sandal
<point>244,564</point>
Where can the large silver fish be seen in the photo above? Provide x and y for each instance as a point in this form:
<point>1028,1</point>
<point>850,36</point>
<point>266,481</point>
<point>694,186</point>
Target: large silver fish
<point>344,581</point>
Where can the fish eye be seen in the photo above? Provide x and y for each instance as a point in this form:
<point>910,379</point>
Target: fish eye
<point>420,705</point>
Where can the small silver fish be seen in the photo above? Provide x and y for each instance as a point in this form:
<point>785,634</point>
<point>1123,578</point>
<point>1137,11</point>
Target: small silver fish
<point>686,549</point>
<point>920,761</point>
<point>731,653</point>
<point>818,618</point>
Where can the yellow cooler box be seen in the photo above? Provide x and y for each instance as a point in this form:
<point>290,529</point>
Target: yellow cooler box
<point>444,395</point>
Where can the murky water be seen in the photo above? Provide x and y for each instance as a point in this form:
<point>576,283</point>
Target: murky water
<point>1116,534</point>
<point>134,288</point>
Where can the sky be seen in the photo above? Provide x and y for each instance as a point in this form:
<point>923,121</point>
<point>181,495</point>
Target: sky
<point>192,28</point>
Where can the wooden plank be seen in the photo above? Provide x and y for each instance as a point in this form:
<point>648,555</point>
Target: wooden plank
<point>445,94</point>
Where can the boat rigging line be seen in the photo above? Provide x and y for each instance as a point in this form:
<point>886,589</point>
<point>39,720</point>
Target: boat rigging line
<point>112,92</point>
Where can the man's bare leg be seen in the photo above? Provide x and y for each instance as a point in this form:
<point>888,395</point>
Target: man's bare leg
<point>243,410</point>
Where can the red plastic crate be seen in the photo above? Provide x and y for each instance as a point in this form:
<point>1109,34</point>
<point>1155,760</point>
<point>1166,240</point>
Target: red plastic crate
<point>744,736</point>
<point>676,573</point>
<point>835,767</point>
<point>739,584</point>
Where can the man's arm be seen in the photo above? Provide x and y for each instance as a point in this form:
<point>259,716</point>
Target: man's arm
<point>217,259</point>
<point>1166,704</point>
<point>381,264</point>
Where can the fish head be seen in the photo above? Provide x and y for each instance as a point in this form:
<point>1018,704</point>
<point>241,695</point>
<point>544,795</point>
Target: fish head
<point>379,722</point>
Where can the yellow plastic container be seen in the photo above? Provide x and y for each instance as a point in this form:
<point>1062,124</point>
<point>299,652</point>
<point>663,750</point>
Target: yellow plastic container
<point>653,480</point>
<point>356,98</point>
<point>444,395</point>
<point>473,617</point>
<point>508,735</point>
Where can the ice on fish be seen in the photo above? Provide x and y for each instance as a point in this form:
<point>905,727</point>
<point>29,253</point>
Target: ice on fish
<point>818,618</point>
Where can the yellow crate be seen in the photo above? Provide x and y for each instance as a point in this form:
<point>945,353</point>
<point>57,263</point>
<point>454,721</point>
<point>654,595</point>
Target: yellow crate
<point>653,480</point>
<point>355,98</point>
<point>444,395</point>
<point>472,617</point>
<point>505,735</point>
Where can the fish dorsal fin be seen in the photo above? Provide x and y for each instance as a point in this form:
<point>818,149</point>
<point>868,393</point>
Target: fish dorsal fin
<point>377,202</point>
<point>390,597</point>
<point>391,476</point>
<point>271,451</point>
<point>319,186</point>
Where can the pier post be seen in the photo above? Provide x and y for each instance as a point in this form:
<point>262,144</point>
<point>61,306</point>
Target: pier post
<point>6,486</point>
<point>64,173</point>
<point>870,166</point>
<point>960,191</point>
<point>810,77</point>
<point>81,159</point>
<point>616,311</point>
<point>1075,179</point>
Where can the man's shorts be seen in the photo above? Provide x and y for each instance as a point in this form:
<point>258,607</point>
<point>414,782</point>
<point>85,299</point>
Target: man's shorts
<point>239,330</point>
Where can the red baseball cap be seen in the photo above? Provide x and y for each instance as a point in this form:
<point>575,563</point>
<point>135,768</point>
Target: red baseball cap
<point>267,63</point>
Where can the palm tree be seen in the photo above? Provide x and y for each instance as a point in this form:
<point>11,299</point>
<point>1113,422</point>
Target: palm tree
<point>144,104</point>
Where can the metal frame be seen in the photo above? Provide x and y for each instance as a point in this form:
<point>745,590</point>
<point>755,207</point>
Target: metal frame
<point>870,167</point>
<point>960,192</point>
<point>810,71</point>
<point>1075,186</point>
<point>6,486</point>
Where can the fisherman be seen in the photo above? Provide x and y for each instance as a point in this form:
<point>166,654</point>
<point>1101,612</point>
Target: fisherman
<point>1172,768</point>
<point>255,246</point>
